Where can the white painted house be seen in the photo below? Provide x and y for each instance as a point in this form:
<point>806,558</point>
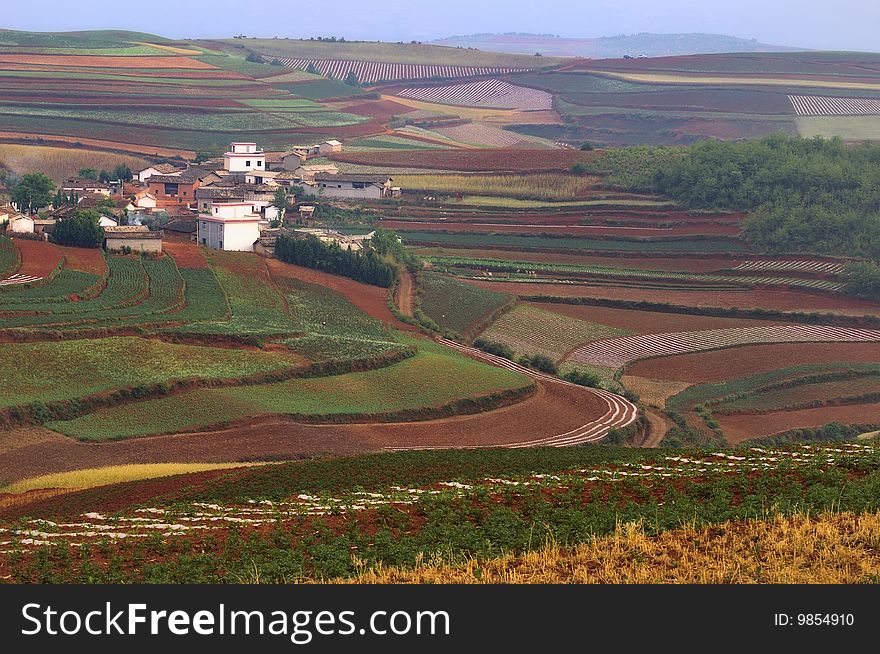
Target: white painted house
<point>158,169</point>
<point>244,158</point>
<point>21,225</point>
<point>104,221</point>
<point>230,226</point>
<point>353,185</point>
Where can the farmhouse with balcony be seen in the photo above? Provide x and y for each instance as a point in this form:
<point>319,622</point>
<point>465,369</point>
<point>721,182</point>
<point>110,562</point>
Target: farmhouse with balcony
<point>158,169</point>
<point>83,186</point>
<point>353,185</point>
<point>230,226</point>
<point>138,238</point>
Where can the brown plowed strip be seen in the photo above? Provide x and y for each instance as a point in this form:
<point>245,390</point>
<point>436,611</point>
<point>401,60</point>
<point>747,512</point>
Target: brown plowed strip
<point>185,254</point>
<point>89,260</point>
<point>372,300</point>
<point>552,410</point>
<point>38,258</point>
<point>746,299</point>
<point>741,427</point>
<point>739,362</point>
<point>113,146</point>
<point>100,61</point>
<point>647,322</point>
<point>571,230</point>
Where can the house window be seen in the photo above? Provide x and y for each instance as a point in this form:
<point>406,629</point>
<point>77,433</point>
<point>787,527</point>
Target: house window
<point>247,163</point>
<point>358,185</point>
<point>259,164</point>
<point>221,245</point>
<point>204,241</point>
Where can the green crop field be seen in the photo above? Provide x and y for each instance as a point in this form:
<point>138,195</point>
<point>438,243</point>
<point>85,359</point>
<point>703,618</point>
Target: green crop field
<point>457,306</point>
<point>535,186</point>
<point>81,367</point>
<point>476,240</point>
<point>434,377</point>
<point>530,330</point>
<point>8,255</point>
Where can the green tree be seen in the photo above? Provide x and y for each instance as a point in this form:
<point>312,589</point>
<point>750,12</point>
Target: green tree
<point>79,230</point>
<point>352,79</point>
<point>88,173</point>
<point>311,68</point>
<point>255,58</point>
<point>279,201</point>
<point>33,192</point>
<point>123,172</point>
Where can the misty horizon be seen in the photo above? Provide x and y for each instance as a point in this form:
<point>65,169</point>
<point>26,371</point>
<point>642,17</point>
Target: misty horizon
<point>848,25</point>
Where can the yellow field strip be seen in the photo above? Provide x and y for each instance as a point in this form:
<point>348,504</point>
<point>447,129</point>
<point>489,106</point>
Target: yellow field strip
<point>661,78</point>
<point>91,477</point>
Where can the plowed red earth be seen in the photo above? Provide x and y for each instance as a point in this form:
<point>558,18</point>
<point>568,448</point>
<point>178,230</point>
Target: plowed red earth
<point>552,410</point>
<point>185,254</point>
<point>38,258</point>
<point>504,159</point>
<point>741,427</point>
<point>179,73</point>
<point>90,260</point>
<point>372,300</point>
<point>746,299</point>
<point>578,230</point>
<point>381,110</point>
<point>739,362</point>
<point>647,322</point>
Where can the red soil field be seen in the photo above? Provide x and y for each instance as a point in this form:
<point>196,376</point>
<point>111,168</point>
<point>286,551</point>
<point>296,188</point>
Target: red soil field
<point>685,264</point>
<point>372,300</point>
<point>101,144</point>
<point>647,322</point>
<point>100,61</point>
<point>96,101</point>
<point>185,254</point>
<point>495,159</point>
<point>578,230</point>
<point>552,410</point>
<point>741,427</point>
<point>159,73</point>
<point>38,258</point>
<point>739,362</point>
<point>780,300</point>
<point>90,260</point>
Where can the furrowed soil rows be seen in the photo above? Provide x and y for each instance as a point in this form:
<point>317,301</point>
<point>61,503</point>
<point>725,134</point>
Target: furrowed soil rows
<point>617,352</point>
<point>488,93</point>
<point>738,428</point>
<point>812,105</point>
<point>371,71</point>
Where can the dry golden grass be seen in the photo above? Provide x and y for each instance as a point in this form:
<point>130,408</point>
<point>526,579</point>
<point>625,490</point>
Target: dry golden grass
<point>654,391</point>
<point>685,78</point>
<point>830,548</point>
<point>551,186</point>
<point>91,477</point>
<point>61,163</point>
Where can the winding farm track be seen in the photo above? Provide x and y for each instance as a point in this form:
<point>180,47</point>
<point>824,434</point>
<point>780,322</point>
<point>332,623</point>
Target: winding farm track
<point>620,412</point>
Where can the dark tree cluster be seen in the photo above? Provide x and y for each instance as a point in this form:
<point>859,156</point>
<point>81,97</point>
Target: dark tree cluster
<point>79,230</point>
<point>364,265</point>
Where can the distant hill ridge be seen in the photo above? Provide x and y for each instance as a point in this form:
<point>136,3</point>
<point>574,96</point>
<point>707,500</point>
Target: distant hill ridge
<point>645,43</point>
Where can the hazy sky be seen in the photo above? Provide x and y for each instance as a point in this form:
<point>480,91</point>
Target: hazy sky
<point>840,24</point>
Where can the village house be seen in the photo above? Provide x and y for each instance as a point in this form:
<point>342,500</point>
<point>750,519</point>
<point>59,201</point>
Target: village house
<point>181,229</point>
<point>244,158</point>
<point>104,221</point>
<point>83,186</point>
<point>345,241</point>
<point>21,224</point>
<point>143,201</point>
<point>230,226</point>
<point>158,169</point>
<point>179,188</point>
<point>329,147</point>
<point>293,159</point>
<point>42,226</point>
<point>258,196</point>
<point>353,185</point>
<point>137,238</point>
<point>307,173</point>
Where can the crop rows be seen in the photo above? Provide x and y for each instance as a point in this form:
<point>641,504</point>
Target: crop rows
<point>65,284</point>
<point>8,254</point>
<point>818,267</point>
<point>533,268</point>
<point>493,93</point>
<point>203,518</point>
<point>373,71</point>
<point>12,280</point>
<point>814,105</point>
<point>617,352</point>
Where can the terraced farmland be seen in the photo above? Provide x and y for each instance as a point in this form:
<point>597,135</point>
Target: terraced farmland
<point>489,93</point>
<point>617,352</point>
<point>456,306</point>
